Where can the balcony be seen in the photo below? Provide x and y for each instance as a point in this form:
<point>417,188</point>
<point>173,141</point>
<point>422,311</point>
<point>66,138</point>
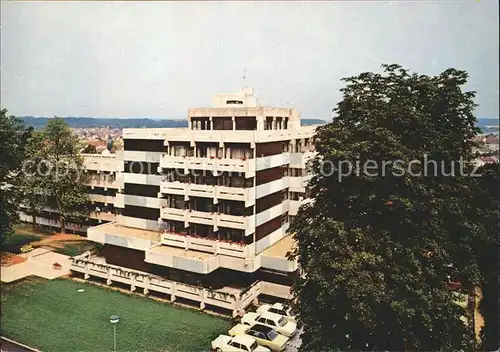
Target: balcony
<point>177,258</point>
<point>142,156</point>
<point>104,183</point>
<point>232,136</point>
<point>102,216</point>
<point>207,245</point>
<point>120,200</point>
<point>117,235</point>
<point>211,164</point>
<point>275,258</point>
<point>300,160</point>
<point>215,192</point>
<point>294,207</point>
<point>102,199</point>
<point>102,162</point>
<point>213,219</point>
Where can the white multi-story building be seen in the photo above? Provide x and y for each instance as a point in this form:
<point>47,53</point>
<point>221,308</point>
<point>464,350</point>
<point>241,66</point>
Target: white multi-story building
<point>205,209</point>
<point>104,181</point>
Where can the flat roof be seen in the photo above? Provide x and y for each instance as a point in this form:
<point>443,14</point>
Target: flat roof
<point>119,230</point>
<point>179,252</point>
<point>280,248</point>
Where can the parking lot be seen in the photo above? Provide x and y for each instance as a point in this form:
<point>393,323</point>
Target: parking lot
<point>294,343</point>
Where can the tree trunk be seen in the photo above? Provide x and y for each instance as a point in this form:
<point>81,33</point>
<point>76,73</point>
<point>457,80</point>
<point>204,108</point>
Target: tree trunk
<point>63,226</point>
<point>33,221</point>
<point>471,310</point>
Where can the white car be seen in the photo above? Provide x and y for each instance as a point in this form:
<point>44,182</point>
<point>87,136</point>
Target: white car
<point>239,343</point>
<point>272,320</point>
<point>278,308</point>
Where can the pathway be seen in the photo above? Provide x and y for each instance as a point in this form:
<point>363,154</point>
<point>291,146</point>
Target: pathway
<point>38,262</point>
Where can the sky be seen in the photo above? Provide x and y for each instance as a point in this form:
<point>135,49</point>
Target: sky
<point>157,59</point>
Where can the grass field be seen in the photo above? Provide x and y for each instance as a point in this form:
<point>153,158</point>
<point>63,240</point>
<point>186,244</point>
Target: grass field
<point>52,316</point>
<point>13,244</point>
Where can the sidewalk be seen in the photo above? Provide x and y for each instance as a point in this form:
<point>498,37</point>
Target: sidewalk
<point>38,262</point>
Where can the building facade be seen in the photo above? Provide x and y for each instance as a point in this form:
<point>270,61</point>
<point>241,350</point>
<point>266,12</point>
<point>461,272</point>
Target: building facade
<point>204,211</point>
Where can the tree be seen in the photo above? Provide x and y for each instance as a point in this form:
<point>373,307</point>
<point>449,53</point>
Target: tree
<point>376,245</point>
<point>13,136</point>
<point>61,169</point>
<point>89,149</point>
<point>34,194</point>
<point>487,254</point>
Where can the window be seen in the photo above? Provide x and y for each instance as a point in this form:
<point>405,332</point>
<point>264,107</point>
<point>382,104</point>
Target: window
<point>271,335</point>
<point>262,320</point>
<point>238,102</point>
<point>254,346</point>
<point>236,345</point>
<point>268,125</point>
<point>270,322</point>
<point>282,321</point>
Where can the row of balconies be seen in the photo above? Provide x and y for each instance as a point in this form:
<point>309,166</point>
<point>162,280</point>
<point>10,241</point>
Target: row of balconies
<point>106,183</point>
<point>231,136</point>
<point>103,162</point>
<point>216,220</point>
<point>215,192</point>
<point>207,245</point>
<point>102,199</point>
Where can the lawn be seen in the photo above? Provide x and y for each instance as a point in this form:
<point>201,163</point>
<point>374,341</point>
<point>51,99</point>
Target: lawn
<point>52,316</point>
<point>13,244</point>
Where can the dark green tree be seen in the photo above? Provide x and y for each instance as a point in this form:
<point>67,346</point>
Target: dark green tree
<point>89,149</point>
<point>13,137</point>
<point>486,202</point>
<point>376,245</point>
<point>34,195</point>
<point>60,166</point>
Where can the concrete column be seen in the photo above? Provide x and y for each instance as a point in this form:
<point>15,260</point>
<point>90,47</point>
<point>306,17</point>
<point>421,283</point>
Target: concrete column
<point>260,123</point>
<point>132,286</point>
<point>174,290</point>
<point>234,122</point>
<point>108,281</point>
<point>146,285</point>
<point>211,123</point>
<point>203,296</point>
<point>87,270</point>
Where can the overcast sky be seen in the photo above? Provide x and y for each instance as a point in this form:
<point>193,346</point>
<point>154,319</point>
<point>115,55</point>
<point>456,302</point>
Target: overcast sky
<point>157,59</point>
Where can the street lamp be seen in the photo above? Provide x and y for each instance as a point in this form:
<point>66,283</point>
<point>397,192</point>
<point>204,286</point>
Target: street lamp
<point>114,319</point>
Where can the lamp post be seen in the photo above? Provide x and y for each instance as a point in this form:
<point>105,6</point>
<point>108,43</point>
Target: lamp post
<point>114,319</point>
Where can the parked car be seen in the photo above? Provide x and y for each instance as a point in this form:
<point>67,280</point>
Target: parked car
<point>272,320</point>
<point>239,343</point>
<point>278,308</point>
<point>264,335</point>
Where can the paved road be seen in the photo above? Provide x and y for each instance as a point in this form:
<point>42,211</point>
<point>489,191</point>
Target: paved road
<point>6,346</point>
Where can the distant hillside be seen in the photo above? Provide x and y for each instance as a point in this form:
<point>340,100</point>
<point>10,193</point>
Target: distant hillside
<point>81,122</point>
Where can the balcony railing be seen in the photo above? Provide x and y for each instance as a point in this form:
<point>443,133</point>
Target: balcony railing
<point>213,246</point>
<point>212,164</point>
<point>246,223</point>
<point>215,192</point>
<point>236,300</point>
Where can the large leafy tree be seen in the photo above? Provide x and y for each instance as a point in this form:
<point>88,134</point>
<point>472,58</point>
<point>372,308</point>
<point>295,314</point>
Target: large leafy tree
<point>32,187</point>
<point>377,244</point>
<point>486,205</point>
<point>59,169</point>
<point>13,137</point>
